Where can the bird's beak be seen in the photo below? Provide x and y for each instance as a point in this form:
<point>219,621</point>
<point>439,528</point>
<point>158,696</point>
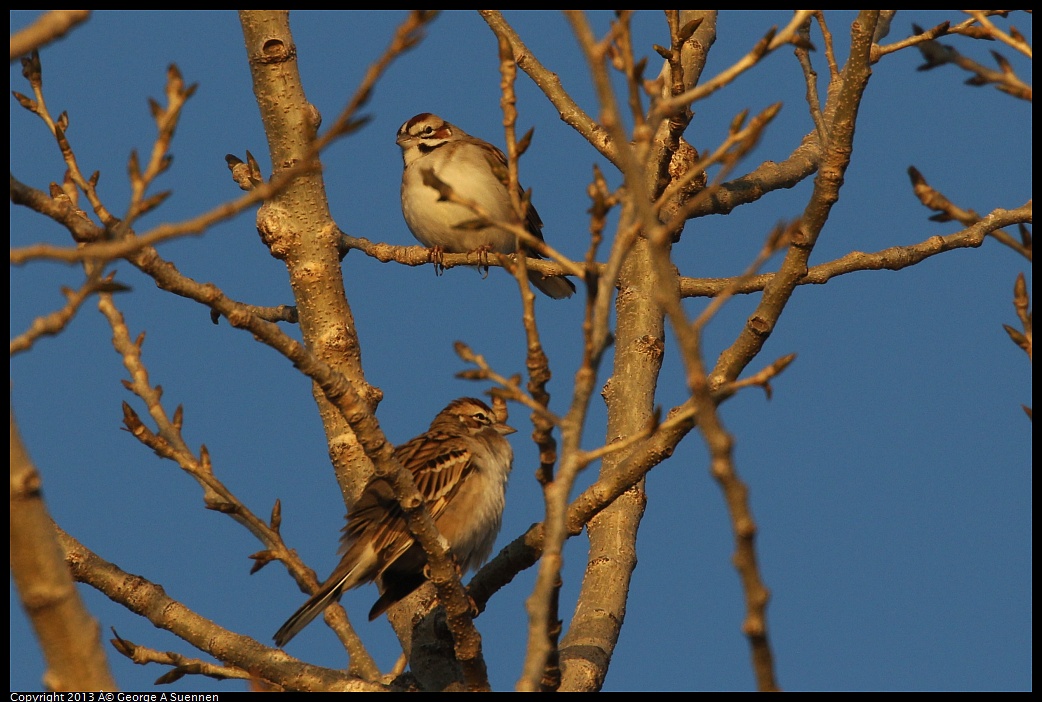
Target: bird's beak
<point>504,429</point>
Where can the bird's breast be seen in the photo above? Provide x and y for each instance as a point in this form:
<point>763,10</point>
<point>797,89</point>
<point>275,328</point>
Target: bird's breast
<point>436,222</point>
<point>472,519</point>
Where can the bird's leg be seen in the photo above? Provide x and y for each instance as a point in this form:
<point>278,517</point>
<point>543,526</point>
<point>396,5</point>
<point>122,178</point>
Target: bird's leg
<point>435,255</point>
<point>483,251</point>
<point>474,611</point>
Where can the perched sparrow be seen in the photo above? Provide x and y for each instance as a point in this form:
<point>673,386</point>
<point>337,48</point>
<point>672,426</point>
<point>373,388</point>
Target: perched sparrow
<point>460,466</point>
<point>475,170</point>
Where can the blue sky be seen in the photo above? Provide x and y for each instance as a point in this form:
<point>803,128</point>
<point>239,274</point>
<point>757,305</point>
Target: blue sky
<point>890,475</point>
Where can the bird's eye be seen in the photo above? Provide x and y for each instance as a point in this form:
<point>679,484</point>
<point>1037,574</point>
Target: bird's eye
<point>482,418</point>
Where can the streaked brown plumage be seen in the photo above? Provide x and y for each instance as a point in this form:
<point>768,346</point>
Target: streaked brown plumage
<point>460,466</point>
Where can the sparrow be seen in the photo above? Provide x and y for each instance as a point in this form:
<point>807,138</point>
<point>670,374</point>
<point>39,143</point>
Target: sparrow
<point>476,170</point>
<point>460,466</point>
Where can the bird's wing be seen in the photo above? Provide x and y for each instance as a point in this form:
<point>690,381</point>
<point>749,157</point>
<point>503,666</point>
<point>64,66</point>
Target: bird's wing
<point>439,464</point>
<point>497,161</point>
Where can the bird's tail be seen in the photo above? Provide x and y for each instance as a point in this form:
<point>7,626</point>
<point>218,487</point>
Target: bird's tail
<point>556,287</point>
<point>308,611</point>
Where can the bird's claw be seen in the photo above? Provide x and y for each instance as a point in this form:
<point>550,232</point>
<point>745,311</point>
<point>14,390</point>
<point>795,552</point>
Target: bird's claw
<point>483,251</point>
<point>436,255</point>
